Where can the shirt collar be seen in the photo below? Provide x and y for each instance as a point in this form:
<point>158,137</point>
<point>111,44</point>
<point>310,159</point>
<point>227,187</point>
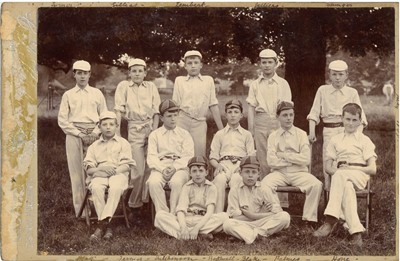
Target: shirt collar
<point>77,88</point>
<point>333,89</point>
<point>103,140</point>
<point>132,84</point>
<point>165,130</point>
<point>273,78</point>
<point>227,128</point>
<point>356,134</point>
<point>290,131</point>
<point>241,184</point>
<point>191,182</point>
<point>188,77</point>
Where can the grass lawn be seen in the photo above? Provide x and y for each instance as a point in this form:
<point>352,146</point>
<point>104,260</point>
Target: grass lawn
<point>60,233</point>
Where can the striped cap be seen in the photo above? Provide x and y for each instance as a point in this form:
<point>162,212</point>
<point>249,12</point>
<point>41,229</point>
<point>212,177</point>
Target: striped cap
<point>268,53</point>
<point>235,103</point>
<point>284,105</point>
<point>167,105</point>
<point>250,162</point>
<point>198,161</point>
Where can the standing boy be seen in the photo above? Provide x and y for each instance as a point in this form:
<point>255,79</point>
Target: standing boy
<point>195,210</point>
<point>137,101</point>
<point>328,103</point>
<point>228,147</point>
<point>107,165</point>
<point>170,148</point>
<point>351,160</point>
<point>78,116</point>
<point>288,156</point>
<point>194,94</point>
<point>255,211</point>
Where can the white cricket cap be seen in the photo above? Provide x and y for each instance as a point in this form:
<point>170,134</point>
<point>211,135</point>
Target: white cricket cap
<point>108,115</point>
<point>81,65</point>
<point>192,53</point>
<point>268,53</point>
<point>133,62</point>
<point>338,65</point>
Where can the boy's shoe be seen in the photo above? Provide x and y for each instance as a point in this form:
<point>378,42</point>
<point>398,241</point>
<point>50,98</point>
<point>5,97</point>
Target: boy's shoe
<point>96,236</point>
<point>208,237</point>
<point>324,230</point>
<point>109,234</point>
<point>356,239</point>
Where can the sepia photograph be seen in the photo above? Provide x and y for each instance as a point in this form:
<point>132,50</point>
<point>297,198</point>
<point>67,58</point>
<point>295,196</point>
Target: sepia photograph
<point>200,131</point>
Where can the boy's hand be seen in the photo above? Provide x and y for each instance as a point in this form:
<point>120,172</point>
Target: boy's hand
<point>312,138</point>
<point>100,174</point>
<point>193,233</point>
<point>110,170</point>
<point>168,172</point>
<point>184,233</point>
<point>266,207</point>
<point>220,168</point>
<point>93,137</point>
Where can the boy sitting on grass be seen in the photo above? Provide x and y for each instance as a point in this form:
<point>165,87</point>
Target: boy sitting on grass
<point>350,159</point>
<point>254,210</point>
<point>107,164</point>
<point>195,210</point>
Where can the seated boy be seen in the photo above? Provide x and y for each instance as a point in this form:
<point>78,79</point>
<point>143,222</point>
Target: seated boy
<point>288,156</point>
<point>228,147</point>
<point>195,210</point>
<point>350,160</point>
<point>169,150</point>
<point>107,164</point>
<point>255,211</point>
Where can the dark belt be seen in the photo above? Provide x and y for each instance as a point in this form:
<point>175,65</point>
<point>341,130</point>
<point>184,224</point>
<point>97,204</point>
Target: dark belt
<point>86,131</point>
<point>173,157</point>
<point>351,164</point>
<point>197,211</point>
<point>333,124</point>
<point>233,159</point>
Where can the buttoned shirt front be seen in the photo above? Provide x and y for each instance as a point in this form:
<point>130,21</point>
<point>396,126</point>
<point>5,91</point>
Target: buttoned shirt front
<point>232,142</point>
<point>194,197</point>
<point>254,198</point>
<point>138,103</point>
<point>194,95</point>
<point>350,147</point>
<point>294,146</point>
<point>329,101</point>
<point>265,94</point>
<point>113,152</point>
<point>164,142</point>
<point>80,105</point>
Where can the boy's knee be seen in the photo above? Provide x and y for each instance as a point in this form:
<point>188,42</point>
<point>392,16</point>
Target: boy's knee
<point>284,217</point>
<point>227,225</point>
<point>220,180</point>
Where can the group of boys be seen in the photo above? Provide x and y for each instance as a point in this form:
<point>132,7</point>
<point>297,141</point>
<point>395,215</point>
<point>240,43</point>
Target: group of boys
<point>175,152</point>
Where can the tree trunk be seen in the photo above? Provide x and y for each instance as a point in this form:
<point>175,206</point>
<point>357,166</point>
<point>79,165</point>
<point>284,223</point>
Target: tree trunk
<point>305,57</point>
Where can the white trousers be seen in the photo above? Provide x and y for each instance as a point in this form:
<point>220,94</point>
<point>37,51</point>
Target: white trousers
<point>232,177</point>
<point>75,154</point>
<point>138,140</point>
<point>248,230</point>
<point>156,185</point>
<point>343,200</point>
<point>328,133</point>
<point>116,186</point>
<point>264,125</point>
<point>168,223</point>
<point>198,131</point>
<point>306,182</point>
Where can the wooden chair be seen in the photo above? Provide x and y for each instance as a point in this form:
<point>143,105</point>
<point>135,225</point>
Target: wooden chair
<point>363,194</point>
<point>123,202</point>
<point>294,189</point>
